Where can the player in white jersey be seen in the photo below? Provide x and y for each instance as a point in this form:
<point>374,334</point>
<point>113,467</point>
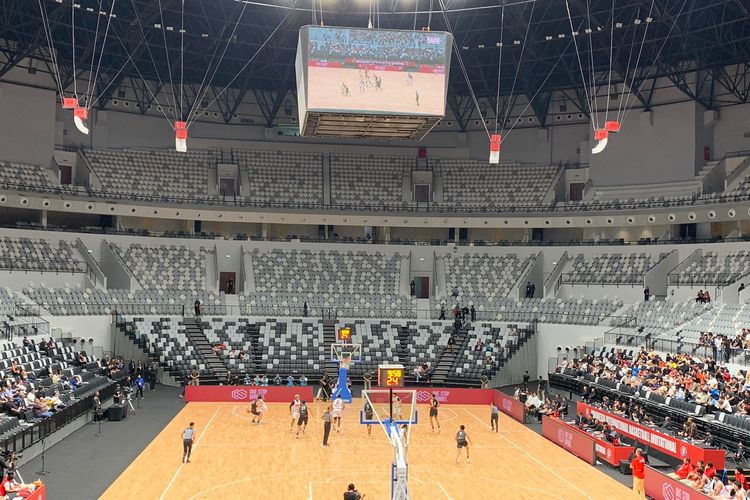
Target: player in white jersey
<point>258,407</point>
<point>338,409</point>
<point>396,407</point>
<point>294,410</point>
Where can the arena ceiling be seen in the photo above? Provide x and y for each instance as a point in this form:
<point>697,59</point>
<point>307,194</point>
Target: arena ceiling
<point>698,37</point>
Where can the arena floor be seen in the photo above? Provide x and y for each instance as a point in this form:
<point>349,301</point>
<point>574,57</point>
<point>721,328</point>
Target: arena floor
<point>234,458</point>
<point>395,96</point>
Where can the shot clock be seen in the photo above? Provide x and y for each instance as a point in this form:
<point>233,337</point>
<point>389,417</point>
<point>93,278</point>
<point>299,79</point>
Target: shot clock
<point>391,375</point>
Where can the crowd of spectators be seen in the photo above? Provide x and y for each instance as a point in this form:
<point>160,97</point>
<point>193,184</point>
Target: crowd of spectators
<point>722,345</point>
<point>705,478</point>
<point>680,376</point>
<point>376,45</point>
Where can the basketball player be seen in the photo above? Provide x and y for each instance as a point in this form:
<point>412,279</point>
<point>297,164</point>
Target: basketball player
<point>294,410</point>
<point>338,409</point>
<point>434,403</point>
<point>396,407</point>
<point>344,89</point>
<point>302,420</point>
<point>188,437</point>
<point>368,416</point>
<point>416,93</point>
<point>409,80</point>
<point>462,441</point>
<point>494,415</point>
<point>258,407</point>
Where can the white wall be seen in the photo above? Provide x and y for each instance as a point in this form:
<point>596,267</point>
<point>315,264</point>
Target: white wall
<point>729,132</point>
<point>550,336</point>
<point>27,124</point>
<point>96,327</point>
<point>641,154</point>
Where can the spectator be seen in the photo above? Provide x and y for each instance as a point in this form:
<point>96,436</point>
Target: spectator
<point>197,307</point>
<point>646,294</point>
<point>277,379</point>
<point>290,381</point>
<point>302,380</point>
<point>442,312</point>
<point>473,313</point>
<point>304,309</point>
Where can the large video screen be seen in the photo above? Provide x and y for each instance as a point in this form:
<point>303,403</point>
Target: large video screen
<point>375,71</point>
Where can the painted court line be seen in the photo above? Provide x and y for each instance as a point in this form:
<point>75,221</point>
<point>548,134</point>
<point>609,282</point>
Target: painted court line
<point>532,456</point>
<point>444,492</point>
<point>179,469</point>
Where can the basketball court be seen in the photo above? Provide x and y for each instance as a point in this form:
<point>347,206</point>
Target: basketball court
<point>396,95</point>
<point>234,458</point>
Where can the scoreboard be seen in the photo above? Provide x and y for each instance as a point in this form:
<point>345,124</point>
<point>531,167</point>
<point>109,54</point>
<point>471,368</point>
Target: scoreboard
<point>391,375</point>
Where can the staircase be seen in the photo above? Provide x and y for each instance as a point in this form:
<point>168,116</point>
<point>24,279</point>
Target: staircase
<point>195,335</point>
<point>444,365</point>
<point>329,338</point>
<point>256,356</point>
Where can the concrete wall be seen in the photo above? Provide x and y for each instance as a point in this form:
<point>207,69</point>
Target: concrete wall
<point>642,154</point>
<point>729,132</point>
<point>27,124</point>
<point>551,336</point>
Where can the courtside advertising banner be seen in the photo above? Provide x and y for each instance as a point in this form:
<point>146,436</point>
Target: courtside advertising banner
<point>662,487</point>
<point>665,443</point>
<point>245,394</point>
<point>510,406</point>
<point>566,436</point>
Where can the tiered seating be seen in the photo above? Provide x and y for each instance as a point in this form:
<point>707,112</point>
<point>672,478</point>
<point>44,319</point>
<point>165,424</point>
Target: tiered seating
<point>713,269</point>
<point>471,363</point>
<point>233,332</point>
<point>277,177</point>
<point>7,305</point>
<point>37,255</point>
<point>566,311</point>
<point>22,174</point>
<point>425,342</point>
<point>655,316</point>
<point>370,181</point>
<point>478,185</point>
<point>294,346</point>
<point>159,173</point>
<point>355,283</point>
<point>93,301</point>
<point>721,319</point>
<point>165,267</point>
<point>481,279</point>
<point>613,268</point>
<point>379,340</point>
<point>165,339</point>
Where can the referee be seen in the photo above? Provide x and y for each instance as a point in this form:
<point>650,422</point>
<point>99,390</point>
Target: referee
<point>188,437</point>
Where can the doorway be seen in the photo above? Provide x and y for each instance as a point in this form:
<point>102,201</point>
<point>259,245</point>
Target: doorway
<point>227,286</point>
<point>422,287</point>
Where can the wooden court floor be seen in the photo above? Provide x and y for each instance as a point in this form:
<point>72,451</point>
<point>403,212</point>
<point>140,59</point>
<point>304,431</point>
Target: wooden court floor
<point>234,458</point>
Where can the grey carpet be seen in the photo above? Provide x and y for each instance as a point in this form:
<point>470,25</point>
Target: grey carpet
<point>83,466</point>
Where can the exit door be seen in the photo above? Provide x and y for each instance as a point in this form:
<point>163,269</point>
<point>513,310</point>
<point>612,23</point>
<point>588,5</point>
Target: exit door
<point>228,282</point>
<point>422,287</point>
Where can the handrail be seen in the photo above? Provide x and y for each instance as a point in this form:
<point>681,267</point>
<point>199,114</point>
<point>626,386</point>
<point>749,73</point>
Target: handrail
<point>595,207</point>
<point>600,279</point>
<point>49,266</point>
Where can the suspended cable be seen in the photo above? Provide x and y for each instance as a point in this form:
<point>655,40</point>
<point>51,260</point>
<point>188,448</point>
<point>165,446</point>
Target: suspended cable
<point>609,75</point>
<point>463,69</point>
<point>148,46</point>
<point>143,79</point>
<point>627,69</point>
<point>201,90</point>
<point>244,67</point>
<point>632,93</point>
<point>101,54</point>
<point>93,52</point>
<point>114,78</point>
<point>416,8</point>
<point>544,82</point>
<point>574,34</point>
<point>182,54</point>
<point>53,54</point>
<point>653,64</point>
<point>429,18</point>
<point>73,32</point>
<point>169,64</point>
<point>592,70</point>
<point>518,67</point>
<point>499,62</point>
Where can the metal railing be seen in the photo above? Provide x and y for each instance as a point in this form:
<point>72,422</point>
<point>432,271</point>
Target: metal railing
<point>634,340</point>
<point>44,266</point>
<point>630,280</point>
<point>718,279</point>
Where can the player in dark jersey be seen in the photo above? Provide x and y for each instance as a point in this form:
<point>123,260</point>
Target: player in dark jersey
<point>462,441</point>
<point>434,404</point>
<point>302,419</point>
<point>368,416</point>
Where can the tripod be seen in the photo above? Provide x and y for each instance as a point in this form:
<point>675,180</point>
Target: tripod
<point>129,400</point>
<point>44,471</point>
<point>98,414</point>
